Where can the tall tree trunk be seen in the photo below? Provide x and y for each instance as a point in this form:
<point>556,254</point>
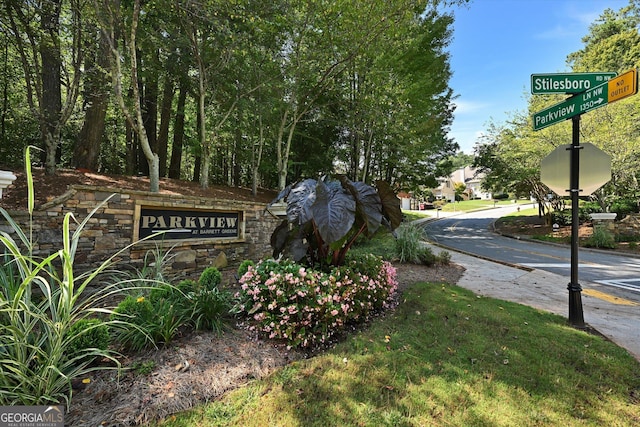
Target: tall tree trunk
<point>134,118</point>
<point>367,158</point>
<point>197,165</point>
<point>150,111</point>
<point>178,133</point>
<point>281,161</point>
<point>5,95</point>
<point>235,159</point>
<point>165,118</point>
<point>196,168</point>
<point>256,158</point>
<point>51,77</point>
<point>355,130</point>
<point>205,146</point>
<point>131,140</point>
<point>283,156</point>
<point>86,153</point>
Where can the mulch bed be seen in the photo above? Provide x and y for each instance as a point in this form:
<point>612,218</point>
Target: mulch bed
<point>48,187</point>
<point>198,368</point>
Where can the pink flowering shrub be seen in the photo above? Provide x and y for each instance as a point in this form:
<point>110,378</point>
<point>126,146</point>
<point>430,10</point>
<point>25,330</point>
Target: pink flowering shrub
<point>285,300</point>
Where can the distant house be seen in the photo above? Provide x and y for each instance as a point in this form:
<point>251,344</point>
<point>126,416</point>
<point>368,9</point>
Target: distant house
<point>405,200</point>
<point>468,176</point>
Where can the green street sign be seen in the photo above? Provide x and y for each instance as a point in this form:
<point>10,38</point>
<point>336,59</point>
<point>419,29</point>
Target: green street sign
<point>567,82</point>
<point>612,90</point>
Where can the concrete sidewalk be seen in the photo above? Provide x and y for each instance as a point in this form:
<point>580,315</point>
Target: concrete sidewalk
<point>546,291</point>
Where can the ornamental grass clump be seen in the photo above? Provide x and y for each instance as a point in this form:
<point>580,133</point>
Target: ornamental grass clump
<point>44,304</point>
<point>601,238</point>
<point>408,243</point>
<point>285,300</point>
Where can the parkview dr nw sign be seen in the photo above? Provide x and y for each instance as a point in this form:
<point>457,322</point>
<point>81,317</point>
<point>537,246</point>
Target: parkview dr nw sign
<point>613,90</point>
<point>548,83</point>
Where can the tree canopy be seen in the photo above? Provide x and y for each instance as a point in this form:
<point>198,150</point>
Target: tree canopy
<point>209,90</point>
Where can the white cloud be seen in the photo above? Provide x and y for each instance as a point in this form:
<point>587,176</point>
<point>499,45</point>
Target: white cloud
<point>468,107</point>
<point>558,32</point>
<point>575,22</point>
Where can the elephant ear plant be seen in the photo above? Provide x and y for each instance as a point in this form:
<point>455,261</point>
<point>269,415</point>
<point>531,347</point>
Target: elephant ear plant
<point>326,216</point>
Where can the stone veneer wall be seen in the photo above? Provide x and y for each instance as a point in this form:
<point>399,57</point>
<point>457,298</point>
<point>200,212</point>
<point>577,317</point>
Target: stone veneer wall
<point>112,228</point>
<point>629,226</point>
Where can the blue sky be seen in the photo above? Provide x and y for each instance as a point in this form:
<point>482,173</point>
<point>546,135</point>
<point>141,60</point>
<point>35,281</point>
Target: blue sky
<point>498,44</point>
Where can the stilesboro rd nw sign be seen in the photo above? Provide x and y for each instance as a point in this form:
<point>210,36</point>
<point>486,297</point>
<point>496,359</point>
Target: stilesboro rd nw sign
<point>542,84</point>
<point>612,90</point>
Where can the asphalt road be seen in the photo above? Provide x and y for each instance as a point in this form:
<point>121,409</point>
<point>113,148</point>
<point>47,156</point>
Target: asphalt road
<point>472,233</point>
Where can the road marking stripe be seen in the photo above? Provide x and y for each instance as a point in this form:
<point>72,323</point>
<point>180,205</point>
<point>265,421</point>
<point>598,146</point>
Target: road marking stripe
<point>622,284</point>
<point>561,265</point>
<point>609,298</point>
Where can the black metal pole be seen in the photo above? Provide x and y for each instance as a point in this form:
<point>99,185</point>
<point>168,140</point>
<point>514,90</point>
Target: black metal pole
<point>576,316</point>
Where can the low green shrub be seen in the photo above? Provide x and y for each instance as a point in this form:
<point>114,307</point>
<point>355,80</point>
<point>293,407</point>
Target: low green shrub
<point>623,207</point>
<point>169,316</point>
<point>303,307</point>
<point>627,237</point>
<point>138,308</point>
<point>444,257</point>
<point>586,209</point>
<point>159,317</point>
<point>132,316</point>
<point>210,278</point>
<point>426,256</point>
<point>562,218</point>
<point>244,266</point>
<point>565,216</point>
<point>87,334</point>
<point>149,320</point>
<point>210,309</point>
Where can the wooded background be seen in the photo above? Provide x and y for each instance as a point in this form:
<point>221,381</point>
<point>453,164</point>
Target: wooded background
<point>235,92</point>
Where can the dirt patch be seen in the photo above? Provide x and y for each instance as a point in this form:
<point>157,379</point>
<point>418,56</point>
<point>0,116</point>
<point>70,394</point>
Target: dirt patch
<point>534,226</point>
<point>198,368</point>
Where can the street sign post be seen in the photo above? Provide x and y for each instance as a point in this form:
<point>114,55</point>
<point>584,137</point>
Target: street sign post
<point>613,90</point>
<point>542,84</point>
<point>589,99</point>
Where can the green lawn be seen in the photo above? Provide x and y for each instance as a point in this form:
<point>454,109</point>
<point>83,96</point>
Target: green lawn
<point>445,357</point>
<point>523,212</point>
<point>470,205</point>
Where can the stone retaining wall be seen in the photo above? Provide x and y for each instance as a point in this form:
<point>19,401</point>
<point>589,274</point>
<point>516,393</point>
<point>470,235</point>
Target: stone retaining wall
<point>629,226</point>
<point>114,227</point>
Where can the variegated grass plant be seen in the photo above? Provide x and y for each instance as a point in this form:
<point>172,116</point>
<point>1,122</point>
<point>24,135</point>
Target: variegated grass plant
<point>40,300</point>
